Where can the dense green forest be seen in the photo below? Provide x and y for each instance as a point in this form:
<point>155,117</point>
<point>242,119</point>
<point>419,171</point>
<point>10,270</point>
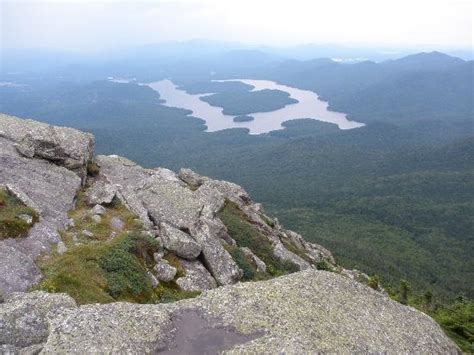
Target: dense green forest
<point>241,102</point>
<point>393,198</point>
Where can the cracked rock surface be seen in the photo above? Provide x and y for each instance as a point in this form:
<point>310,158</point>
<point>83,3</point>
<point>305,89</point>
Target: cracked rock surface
<point>306,312</point>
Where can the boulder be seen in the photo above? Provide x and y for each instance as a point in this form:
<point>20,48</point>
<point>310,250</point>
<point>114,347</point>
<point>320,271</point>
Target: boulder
<point>101,192</point>
<point>178,242</point>
<point>155,195</point>
<point>164,271</point>
<point>24,317</point>
<point>217,260</point>
<point>285,255</point>
<point>307,312</point>
<point>197,277</point>
<point>63,146</point>
<point>191,178</point>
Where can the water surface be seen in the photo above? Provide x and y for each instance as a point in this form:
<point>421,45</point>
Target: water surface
<point>308,106</point>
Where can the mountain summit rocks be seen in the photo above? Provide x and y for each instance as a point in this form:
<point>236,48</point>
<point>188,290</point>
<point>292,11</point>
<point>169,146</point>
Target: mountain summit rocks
<point>210,236</point>
<point>305,312</point>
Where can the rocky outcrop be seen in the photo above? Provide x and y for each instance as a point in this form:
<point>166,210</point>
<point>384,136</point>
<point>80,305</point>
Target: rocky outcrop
<point>63,146</point>
<point>196,278</point>
<point>305,312</point>
<point>43,166</point>
<point>178,242</point>
<point>182,210</point>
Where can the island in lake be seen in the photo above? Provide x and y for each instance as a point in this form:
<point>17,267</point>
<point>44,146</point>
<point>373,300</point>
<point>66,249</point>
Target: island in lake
<point>244,118</point>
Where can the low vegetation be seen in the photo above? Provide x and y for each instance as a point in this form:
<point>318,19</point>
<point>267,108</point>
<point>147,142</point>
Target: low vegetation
<point>16,218</point>
<point>247,235</point>
<point>106,265</point>
<point>455,317</point>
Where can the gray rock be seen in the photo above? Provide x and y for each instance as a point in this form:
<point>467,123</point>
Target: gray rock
<point>191,178</point>
<point>87,233</point>
<point>96,218</point>
<point>155,195</point>
<point>116,223</point>
<point>164,271</point>
<point>260,265</point>
<point>178,242</point>
<point>315,251</point>
<point>63,146</point>
<point>285,255</point>
<point>24,317</point>
<point>219,262</point>
<point>306,312</point>
<point>197,277</point>
<point>158,256</point>
<point>153,280</point>
<point>101,192</point>
<point>98,209</point>
<point>46,187</point>
<point>61,247</point>
<point>27,218</point>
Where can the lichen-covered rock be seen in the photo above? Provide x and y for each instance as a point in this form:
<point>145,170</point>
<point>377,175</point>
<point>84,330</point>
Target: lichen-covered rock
<point>287,256</point>
<point>67,147</point>
<point>217,259</point>
<point>155,195</point>
<point>24,317</point>
<point>178,242</point>
<point>101,192</point>
<point>305,312</point>
<point>191,178</point>
<point>197,278</point>
<point>164,271</point>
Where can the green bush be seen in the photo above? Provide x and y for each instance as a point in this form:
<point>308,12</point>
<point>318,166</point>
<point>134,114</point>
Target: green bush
<point>242,262</point>
<point>124,267</point>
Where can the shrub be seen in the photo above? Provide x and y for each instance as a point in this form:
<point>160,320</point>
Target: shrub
<point>247,235</point>
<point>124,267</point>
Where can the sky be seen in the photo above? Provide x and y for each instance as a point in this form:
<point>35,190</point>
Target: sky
<point>95,25</point>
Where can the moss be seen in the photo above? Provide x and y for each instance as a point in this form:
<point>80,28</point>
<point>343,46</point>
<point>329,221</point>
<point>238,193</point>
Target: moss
<point>247,235</point>
<point>168,292</point>
<point>11,208</point>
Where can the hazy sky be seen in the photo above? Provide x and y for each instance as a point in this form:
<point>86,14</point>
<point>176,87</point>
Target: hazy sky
<point>102,24</point>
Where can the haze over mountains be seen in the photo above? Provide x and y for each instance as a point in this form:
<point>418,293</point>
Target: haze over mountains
<point>393,198</point>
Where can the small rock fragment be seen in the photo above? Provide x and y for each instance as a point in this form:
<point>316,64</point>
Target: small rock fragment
<point>98,209</point>
<point>61,247</point>
<point>164,271</point>
<point>116,223</point>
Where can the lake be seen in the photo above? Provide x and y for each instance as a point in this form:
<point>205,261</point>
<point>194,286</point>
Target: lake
<point>309,106</point>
